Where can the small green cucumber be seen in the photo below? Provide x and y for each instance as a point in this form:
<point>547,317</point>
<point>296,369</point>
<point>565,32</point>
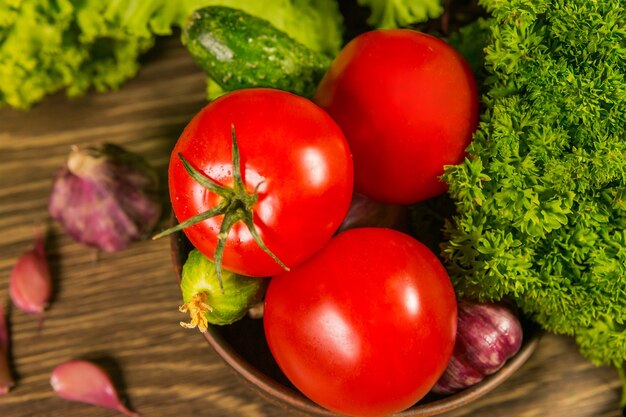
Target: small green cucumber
<point>206,302</point>
<point>238,50</point>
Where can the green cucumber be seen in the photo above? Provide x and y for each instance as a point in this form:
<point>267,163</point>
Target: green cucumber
<point>238,50</point>
<point>209,302</point>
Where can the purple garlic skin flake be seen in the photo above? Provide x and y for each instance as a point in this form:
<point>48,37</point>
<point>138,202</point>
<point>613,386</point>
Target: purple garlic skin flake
<point>86,382</point>
<point>106,197</point>
<point>6,379</point>
<point>488,334</point>
<point>30,284</point>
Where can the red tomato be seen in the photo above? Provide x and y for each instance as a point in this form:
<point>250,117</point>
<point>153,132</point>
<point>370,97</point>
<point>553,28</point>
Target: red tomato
<point>288,145</point>
<point>408,105</point>
<point>366,326</point>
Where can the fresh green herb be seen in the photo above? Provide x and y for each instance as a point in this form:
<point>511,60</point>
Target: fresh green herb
<point>387,14</point>
<point>47,46</point>
<point>540,200</point>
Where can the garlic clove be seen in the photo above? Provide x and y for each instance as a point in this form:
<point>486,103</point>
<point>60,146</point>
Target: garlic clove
<point>30,284</point>
<point>86,382</point>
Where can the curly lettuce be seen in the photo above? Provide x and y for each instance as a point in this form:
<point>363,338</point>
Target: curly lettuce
<point>386,14</point>
<point>76,45</point>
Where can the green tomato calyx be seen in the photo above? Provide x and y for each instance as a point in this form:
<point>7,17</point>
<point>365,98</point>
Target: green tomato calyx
<point>236,205</point>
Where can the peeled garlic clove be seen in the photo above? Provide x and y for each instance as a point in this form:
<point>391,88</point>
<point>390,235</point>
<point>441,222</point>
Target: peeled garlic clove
<point>86,382</point>
<point>106,197</point>
<point>30,284</point>
<point>6,379</point>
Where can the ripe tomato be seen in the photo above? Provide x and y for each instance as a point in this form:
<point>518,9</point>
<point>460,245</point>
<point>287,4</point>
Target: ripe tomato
<point>366,326</point>
<point>408,105</point>
<point>291,150</point>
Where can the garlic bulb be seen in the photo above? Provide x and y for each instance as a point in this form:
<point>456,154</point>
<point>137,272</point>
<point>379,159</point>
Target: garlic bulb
<point>487,335</point>
<point>106,197</point>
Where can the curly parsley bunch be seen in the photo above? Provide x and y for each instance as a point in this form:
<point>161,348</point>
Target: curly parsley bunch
<point>541,198</point>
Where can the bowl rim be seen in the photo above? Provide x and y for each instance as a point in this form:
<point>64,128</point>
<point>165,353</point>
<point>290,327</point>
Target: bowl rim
<point>282,395</point>
<point>294,400</point>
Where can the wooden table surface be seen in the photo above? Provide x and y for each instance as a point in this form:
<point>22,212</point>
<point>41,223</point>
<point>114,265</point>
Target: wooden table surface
<point>121,309</point>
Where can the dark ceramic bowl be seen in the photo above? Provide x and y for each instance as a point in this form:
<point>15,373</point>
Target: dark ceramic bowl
<point>242,345</point>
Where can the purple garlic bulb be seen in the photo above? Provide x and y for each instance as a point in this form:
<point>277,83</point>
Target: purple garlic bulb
<point>106,197</point>
<point>6,379</point>
<point>487,335</point>
<point>84,381</point>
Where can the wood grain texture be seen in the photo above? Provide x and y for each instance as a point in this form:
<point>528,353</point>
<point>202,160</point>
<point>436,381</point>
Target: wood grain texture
<point>121,309</point>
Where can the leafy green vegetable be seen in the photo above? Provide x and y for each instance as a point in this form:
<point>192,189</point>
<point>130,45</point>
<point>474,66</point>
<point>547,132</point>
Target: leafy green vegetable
<point>46,46</point>
<point>540,200</point>
<point>401,13</point>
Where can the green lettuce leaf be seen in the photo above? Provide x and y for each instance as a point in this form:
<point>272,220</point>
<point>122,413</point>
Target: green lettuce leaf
<point>50,45</point>
<point>387,14</point>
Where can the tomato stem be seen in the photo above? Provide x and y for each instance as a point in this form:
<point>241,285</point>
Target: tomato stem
<point>230,218</point>
<point>247,219</point>
<point>236,205</point>
<point>206,182</point>
<point>238,180</point>
<point>217,210</point>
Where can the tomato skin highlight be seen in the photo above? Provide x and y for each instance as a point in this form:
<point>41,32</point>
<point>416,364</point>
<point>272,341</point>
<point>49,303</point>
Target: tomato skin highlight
<point>288,145</point>
<point>408,105</point>
<point>366,326</point>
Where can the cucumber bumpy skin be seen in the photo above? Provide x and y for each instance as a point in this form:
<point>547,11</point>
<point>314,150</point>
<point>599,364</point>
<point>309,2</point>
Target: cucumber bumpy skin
<point>205,301</point>
<point>238,50</point>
